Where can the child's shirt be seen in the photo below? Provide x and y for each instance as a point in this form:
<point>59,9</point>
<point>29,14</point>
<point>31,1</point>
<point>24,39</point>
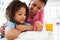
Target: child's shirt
<point>10,24</point>
<point>13,25</point>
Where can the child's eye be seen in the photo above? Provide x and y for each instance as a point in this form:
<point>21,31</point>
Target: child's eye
<point>25,14</point>
<point>20,14</point>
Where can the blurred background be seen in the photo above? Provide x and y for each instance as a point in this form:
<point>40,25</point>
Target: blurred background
<point>52,10</point>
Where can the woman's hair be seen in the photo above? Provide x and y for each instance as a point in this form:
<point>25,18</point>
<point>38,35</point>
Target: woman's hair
<point>44,1</point>
<point>14,6</point>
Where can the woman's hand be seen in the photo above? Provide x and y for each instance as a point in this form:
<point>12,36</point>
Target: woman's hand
<point>2,29</point>
<point>38,26</point>
<point>31,14</point>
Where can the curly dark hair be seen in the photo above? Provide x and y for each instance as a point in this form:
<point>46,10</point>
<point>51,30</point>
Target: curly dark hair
<point>14,6</point>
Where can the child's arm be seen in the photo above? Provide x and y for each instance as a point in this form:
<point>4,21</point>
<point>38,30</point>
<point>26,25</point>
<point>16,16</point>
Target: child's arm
<point>11,33</point>
<point>24,28</point>
<point>30,28</point>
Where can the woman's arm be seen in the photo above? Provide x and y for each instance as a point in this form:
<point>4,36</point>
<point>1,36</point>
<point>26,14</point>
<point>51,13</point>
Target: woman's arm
<point>11,33</point>
<point>38,20</point>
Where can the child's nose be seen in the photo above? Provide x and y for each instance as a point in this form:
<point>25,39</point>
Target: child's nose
<point>23,16</point>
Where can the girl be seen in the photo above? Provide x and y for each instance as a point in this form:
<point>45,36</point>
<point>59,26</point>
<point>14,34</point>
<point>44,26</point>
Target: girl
<point>16,14</point>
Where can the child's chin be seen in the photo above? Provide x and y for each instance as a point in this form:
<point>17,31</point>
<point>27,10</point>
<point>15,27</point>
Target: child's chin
<point>22,22</point>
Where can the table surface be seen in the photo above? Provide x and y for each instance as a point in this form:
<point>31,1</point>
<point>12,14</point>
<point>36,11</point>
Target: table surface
<point>34,35</point>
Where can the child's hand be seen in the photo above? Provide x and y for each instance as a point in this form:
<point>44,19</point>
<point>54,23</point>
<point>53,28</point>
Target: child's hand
<point>21,27</point>
<point>31,15</point>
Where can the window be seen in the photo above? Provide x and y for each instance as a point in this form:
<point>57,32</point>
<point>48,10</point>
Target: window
<point>52,12</point>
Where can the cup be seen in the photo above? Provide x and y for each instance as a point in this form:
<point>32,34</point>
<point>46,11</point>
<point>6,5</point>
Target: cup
<point>49,26</point>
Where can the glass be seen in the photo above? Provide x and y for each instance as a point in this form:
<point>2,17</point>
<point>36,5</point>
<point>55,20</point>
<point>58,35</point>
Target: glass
<point>49,26</point>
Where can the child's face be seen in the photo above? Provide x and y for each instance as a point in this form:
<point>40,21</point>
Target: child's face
<point>35,6</point>
<point>20,15</point>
